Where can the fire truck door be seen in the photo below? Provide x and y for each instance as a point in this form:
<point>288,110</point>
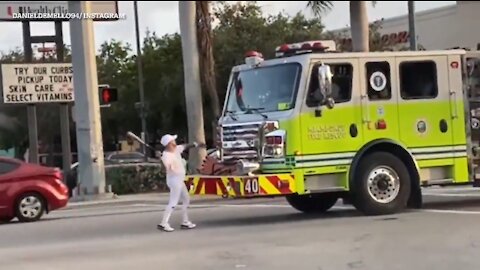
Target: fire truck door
<point>331,137</point>
<point>425,111</point>
<point>378,98</point>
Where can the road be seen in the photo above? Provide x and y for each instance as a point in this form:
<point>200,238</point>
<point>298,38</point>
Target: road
<point>250,234</point>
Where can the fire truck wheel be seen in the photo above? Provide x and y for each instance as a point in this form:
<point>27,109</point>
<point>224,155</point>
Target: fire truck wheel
<point>382,185</point>
<point>312,203</point>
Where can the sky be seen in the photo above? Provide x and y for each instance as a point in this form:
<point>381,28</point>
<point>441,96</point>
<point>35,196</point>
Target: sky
<point>162,18</point>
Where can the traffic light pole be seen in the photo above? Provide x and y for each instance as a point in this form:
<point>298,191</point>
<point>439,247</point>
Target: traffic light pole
<point>91,171</point>
<point>140,81</point>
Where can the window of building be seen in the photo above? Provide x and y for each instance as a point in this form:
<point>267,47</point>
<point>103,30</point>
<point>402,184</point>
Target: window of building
<point>341,84</point>
<point>378,80</point>
<point>418,80</point>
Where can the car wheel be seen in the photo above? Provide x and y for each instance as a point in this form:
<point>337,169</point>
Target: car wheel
<point>30,207</point>
<point>312,203</point>
<point>382,185</point>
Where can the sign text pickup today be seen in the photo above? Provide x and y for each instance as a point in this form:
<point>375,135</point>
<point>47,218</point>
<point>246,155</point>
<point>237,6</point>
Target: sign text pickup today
<point>37,83</point>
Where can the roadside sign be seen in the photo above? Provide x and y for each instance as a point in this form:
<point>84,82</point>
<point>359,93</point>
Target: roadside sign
<point>37,83</point>
<point>53,11</point>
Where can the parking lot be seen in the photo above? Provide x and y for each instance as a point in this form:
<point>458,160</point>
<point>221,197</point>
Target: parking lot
<point>251,234</point>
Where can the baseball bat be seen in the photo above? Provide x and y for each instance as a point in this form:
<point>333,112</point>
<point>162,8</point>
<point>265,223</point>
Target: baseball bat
<point>138,139</point>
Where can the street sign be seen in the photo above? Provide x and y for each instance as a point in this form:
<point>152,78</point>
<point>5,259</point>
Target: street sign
<point>53,11</point>
<point>37,83</point>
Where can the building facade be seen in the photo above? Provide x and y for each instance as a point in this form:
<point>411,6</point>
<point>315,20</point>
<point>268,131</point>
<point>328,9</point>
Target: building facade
<point>447,27</point>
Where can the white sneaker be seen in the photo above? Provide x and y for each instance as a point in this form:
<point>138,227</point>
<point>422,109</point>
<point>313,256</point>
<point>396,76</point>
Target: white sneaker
<point>165,227</point>
<point>188,225</point>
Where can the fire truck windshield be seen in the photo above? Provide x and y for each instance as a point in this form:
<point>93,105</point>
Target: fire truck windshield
<point>264,89</point>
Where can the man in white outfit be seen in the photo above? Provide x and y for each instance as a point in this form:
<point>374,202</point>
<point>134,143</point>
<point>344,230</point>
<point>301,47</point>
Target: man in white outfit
<point>176,172</point>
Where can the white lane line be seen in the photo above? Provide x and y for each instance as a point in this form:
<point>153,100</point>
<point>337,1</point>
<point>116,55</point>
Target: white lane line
<point>453,194</point>
<point>451,189</point>
<point>242,205</point>
<point>461,212</point>
<point>261,206</point>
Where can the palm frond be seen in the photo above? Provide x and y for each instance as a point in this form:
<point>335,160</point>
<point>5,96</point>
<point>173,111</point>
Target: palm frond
<point>319,7</point>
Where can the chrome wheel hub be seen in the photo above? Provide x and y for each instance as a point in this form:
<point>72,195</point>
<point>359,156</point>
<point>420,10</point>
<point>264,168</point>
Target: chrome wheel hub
<point>30,207</point>
<point>383,184</point>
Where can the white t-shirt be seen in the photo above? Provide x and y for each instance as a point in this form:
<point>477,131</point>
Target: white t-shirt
<point>174,165</point>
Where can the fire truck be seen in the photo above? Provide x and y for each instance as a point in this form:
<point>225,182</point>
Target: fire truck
<point>372,128</point>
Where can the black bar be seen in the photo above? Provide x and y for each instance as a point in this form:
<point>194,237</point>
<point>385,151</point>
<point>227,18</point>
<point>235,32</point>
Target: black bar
<point>27,42</point>
<point>63,108</point>
<point>59,41</point>
<point>43,39</point>
<point>31,108</point>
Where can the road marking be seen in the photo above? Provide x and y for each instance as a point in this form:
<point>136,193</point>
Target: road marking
<point>462,212</point>
<point>453,194</point>
<point>261,205</point>
<point>242,205</point>
<point>451,189</point>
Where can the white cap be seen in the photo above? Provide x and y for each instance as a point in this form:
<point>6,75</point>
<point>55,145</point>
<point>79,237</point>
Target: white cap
<point>166,139</point>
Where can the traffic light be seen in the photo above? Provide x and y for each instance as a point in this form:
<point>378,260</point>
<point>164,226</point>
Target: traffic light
<point>107,94</point>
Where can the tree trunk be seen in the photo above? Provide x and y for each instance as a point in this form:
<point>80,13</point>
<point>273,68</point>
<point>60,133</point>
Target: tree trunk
<point>359,26</point>
<point>207,62</point>
<point>193,94</point>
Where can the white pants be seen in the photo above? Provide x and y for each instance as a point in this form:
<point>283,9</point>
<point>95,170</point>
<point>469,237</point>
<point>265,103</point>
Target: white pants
<point>178,191</point>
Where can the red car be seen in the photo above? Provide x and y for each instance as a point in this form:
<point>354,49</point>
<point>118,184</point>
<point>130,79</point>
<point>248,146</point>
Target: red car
<point>27,191</point>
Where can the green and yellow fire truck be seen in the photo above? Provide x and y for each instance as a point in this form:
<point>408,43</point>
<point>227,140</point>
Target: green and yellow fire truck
<point>315,126</point>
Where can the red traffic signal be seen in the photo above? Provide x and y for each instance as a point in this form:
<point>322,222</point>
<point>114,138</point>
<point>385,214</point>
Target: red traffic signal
<point>108,95</point>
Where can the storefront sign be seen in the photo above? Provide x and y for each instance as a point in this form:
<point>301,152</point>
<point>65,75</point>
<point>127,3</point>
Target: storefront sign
<point>388,39</point>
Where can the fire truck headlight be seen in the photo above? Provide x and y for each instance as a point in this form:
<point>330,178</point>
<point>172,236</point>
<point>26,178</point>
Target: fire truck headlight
<point>275,144</point>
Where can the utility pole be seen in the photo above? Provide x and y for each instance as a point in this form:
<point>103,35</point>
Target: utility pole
<point>91,171</point>
<point>140,81</point>
<point>411,25</point>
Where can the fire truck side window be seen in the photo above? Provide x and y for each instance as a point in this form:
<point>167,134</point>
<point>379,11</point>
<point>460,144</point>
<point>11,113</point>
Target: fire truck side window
<point>418,80</point>
<point>378,80</point>
<point>341,83</point>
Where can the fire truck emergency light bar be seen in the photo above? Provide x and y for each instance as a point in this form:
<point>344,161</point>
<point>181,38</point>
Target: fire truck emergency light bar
<point>305,47</point>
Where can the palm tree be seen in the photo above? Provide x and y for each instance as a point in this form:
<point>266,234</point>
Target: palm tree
<point>207,62</point>
<point>358,21</point>
<point>193,93</point>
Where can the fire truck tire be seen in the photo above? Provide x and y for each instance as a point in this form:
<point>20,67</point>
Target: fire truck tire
<point>382,185</point>
<point>312,203</point>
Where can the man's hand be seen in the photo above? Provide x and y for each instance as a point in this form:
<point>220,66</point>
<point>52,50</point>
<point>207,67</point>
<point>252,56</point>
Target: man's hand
<point>195,145</point>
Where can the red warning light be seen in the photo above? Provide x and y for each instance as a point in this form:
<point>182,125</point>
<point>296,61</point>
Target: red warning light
<point>106,95</point>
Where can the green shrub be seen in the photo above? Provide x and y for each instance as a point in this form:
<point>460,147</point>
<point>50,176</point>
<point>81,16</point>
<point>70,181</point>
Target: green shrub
<point>135,178</point>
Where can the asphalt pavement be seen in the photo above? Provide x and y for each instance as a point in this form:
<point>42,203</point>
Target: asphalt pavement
<point>249,234</point>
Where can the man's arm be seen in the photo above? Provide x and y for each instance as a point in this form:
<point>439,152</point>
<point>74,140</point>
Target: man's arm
<point>185,147</point>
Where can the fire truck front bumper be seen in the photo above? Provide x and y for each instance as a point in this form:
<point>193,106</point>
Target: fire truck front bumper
<point>241,186</point>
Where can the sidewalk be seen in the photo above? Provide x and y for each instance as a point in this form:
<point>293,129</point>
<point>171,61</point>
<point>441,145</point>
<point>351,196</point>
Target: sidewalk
<point>149,198</point>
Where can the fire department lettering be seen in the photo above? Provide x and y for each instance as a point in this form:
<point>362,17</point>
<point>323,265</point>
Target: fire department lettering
<point>332,132</point>
<point>37,83</point>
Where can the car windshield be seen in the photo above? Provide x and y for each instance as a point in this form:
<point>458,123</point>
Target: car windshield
<point>264,89</point>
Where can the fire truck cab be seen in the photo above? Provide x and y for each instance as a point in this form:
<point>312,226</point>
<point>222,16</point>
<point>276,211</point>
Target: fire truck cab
<point>315,125</point>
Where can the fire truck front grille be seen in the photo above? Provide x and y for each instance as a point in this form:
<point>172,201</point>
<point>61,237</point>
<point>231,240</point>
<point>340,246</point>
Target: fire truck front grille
<point>241,141</point>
